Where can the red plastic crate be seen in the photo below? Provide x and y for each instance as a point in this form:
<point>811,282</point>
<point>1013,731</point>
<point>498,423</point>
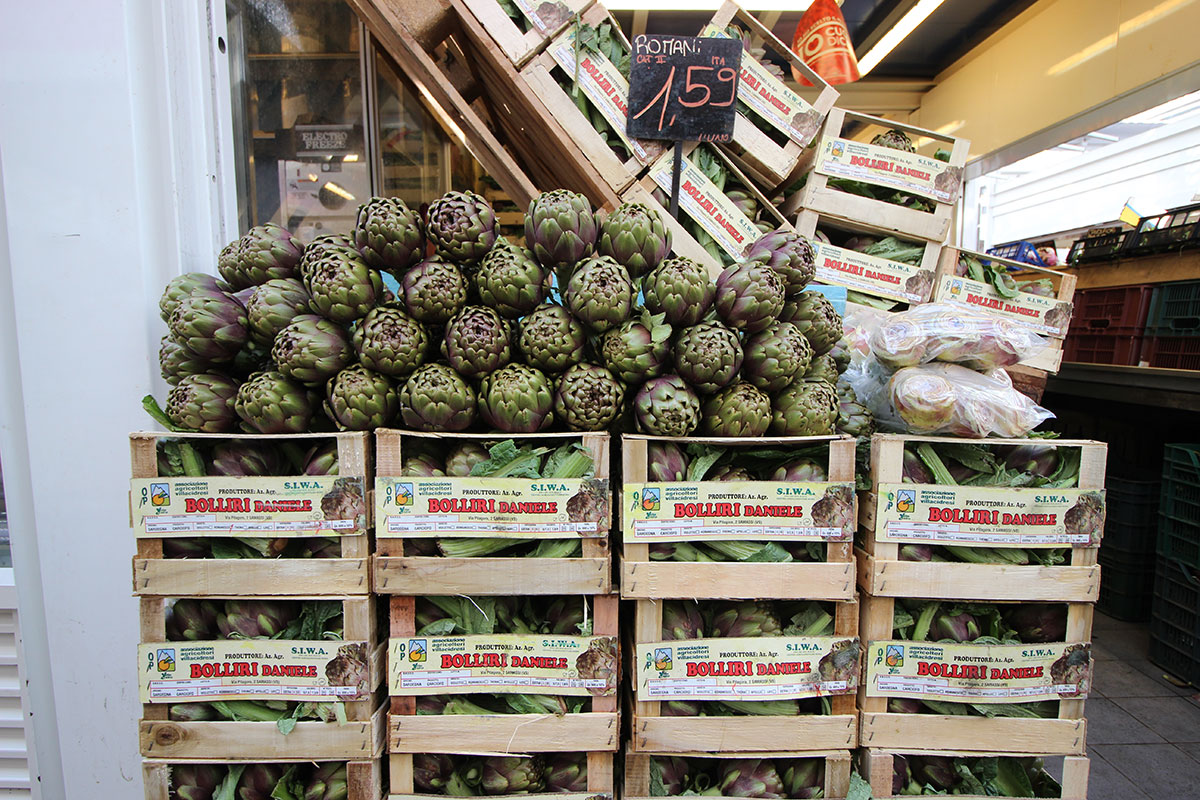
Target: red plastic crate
<point>1112,311</point>
<point>1172,352</point>
<point>1102,349</point>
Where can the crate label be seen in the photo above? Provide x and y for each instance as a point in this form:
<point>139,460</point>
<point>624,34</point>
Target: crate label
<point>873,275</point>
<point>254,669</point>
<point>504,663</point>
<point>727,511</point>
<point>991,516</point>
<point>546,508</point>
<point>277,507</point>
<point>547,16</point>
<point>979,673</point>
<point>1048,316</point>
<point>770,97</point>
<point>608,90</point>
<point>708,206</point>
<point>753,668</point>
<point>907,172</point>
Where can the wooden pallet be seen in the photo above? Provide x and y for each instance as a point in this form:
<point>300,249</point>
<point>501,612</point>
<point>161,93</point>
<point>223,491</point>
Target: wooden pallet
<point>362,736</point>
<point>644,579</point>
<point>881,572</point>
<point>654,733</point>
<point>364,779</point>
<point>396,573</point>
<point>837,769</point>
<point>853,270</point>
<point>1065,735</point>
<point>522,46</point>
<point>268,577</point>
<point>817,196</point>
<point>876,766</point>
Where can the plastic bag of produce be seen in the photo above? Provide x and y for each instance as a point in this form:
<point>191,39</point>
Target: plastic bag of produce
<point>953,400</point>
<point>953,333</point>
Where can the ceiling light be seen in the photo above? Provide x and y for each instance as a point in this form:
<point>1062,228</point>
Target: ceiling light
<point>907,24</point>
<point>704,5</point>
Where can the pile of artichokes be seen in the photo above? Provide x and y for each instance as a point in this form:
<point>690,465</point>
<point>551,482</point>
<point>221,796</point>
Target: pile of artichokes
<point>308,781</point>
<point>461,776</point>
<point>671,776</point>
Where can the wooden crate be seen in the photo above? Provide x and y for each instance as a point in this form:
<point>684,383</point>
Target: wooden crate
<point>521,46</point>
<point>837,769</point>
<point>881,572</point>
<point>817,196</point>
<point>267,577</point>
<point>396,573</point>
<point>364,779</point>
<point>645,579</point>
<point>654,733</point>
<point>600,780</point>
<point>877,768</point>
<point>362,736</point>
<point>854,270</point>
<point>1065,735</point>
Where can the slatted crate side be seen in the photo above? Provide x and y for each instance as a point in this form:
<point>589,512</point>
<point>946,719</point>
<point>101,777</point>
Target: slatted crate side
<point>600,779</point>
<point>1064,285</point>
<point>644,579</point>
<point>655,733</point>
<point>268,577</point>
<point>877,768</point>
<point>837,769</point>
<point>397,573</point>
<point>364,779</point>
<point>219,740</point>
<point>522,46</point>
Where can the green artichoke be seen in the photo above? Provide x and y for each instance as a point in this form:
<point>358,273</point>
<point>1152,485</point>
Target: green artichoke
<point>342,287</point>
<point>823,368</point>
<point>740,410</point>
<point>841,355</point>
<point>271,403</point>
<point>357,399</point>
<point>322,460</point>
<point>211,325</point>
<point>266,252</point>
<point>681,619</point>
<point>854,419</point>
<point>192,620</point>
<point>600,293</point>
<point>433,291</point>
<point>255,619</point>
<point>776,356</point>
<point>273,305</point>
<point>477,341</point>
<point>512,775</point>
<point>175,361</point>
<point>666,462</point>
<point>636,237</point>
<point>566,773</point>
<point>181,286</point>
<point>258,782</point>
<point>388,340</point>
<point>802,470</point>
<point>708,356</point>
<point>328,780</point>
<point>895,140</point>
<point>679,289</point>
<point>511,281</point>
<point>418,467</point>
<point>750,777</point>
<point>729,472</point>
<point>436,398</point>
<point>638,350</point>
<point>462,226</point>
<point>431,772</point>
<point>330,244</point>
<point>789,254</point>
<point>463,457</point>
<point>588,398</point>
<point>389,235</point>
<point>311,349</point>
<point>743,619</point>
<point>667,406</point>
<point>196,781</point>
<point>517,399</point>
<point>551,339</point>
<point>561,229</point>
<point>242,458</point>
<point>816,318</point>
<point>203,402</point>
<point>749,296</point>
<point>746,202</point>
<point>805,408</point>
<point>252,358</point>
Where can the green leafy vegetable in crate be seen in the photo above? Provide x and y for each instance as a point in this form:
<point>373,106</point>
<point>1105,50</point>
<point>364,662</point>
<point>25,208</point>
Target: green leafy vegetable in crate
<point>276,781</point>
<point>673,776</point>
<point>462,775</point>
<point>982,776</point>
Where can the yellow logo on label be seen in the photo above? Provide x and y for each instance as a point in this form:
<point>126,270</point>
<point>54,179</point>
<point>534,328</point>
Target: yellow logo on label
<point>160,494</point>
<point>838,149</point>
<point>895,655</point>
<point>651,498</point>
<point>166,660</point>
<point>404,494</point>
<point>417,650</point>
<point>662,658</point>
<point>906,501</point>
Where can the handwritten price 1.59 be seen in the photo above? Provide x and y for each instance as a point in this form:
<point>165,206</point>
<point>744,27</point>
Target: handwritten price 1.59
<point>696,91</point>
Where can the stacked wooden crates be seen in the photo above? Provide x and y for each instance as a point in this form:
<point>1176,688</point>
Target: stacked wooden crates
<point>206,613</point>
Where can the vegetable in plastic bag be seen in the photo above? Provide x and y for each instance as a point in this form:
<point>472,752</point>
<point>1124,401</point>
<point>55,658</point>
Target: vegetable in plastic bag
<point>953,400</point>
<point>953,333</point>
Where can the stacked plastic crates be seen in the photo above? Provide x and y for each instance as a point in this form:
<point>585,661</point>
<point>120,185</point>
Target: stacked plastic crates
<point>1127,550</point>
<point>1175,621</point>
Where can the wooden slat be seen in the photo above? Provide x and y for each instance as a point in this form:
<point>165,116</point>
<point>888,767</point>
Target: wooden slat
<point>497,576</point>
<point>641,580</point>
<point>505,733</point>
<point>277,577</point>
<point>951,581</point>
<point>1004,735</point>
<point>743,734</point>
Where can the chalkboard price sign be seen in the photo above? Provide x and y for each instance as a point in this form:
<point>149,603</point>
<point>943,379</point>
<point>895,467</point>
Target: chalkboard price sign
<point>683,88</point>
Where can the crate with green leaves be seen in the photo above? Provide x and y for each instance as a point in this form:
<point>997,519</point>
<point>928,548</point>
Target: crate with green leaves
<point>724,517</point>
<point>298,501</point>
<point>1009,677</point>
<point>570,774</point>
<point>484,514</point>
<point>263,778</point>
<point>994,519</point>
<point>779,773</point>
<point>246,678</point>
<point>523,28</point>
<point>904,771</point>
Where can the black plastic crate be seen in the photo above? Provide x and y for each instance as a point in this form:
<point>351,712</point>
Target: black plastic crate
<point>1173,230</point>
<point>1175,620</point>
<point>1175,310</point>
<point>1179,507</point>
<point>1131,516</point>
<point>1098,248</point>
<point>1126,591</point>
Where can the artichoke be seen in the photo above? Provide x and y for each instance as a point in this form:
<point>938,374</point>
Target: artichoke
<point>745,618</point>
<point>854,419</point>
<point>666,462</point>
<point>203,402</point>
<point>680,290</point>
<point>816,318</point>
<point>708,356</point>
<point>789,254</point>
<point>389,235</point>
<point>511,281</point>
<point>419,467</point>
<point>433,291</point>
<point>749,296</point>
<point>802,470</point>
<point>388,340</point>
<point>566,772</point>
<point>750,777</point>
<point>327,781</point>
<point>823,368</point>
<point>322,460</point>
<point>255,619</point>
<point>551,339</point>
<point>776,356</point>
<point>242,458</point>
<point>895,140</point>
<point>512,775</point>
<point>588,398</point>
<point>342,287</point>
<point>335,244</point>
<point>740,410</point>
<point>667,406</point>
<point>463,457</point>
<point>181,286</point>
<point>673,772</point>
<point>258,782</point>
<point>273,305</point>
<point>357,399</point>
<point>805,408</point>
<point>805,777</point>
<point>175,361</point>
<point>252,358</point>
<point>431,772</point>
<point>265,253</point>
<point>196,781</point>
<point>191,620</point>
<point>436,398</point>
<point>638,350</point>
<point>477,341</point>
<point>311,349</point>
<point>682,620</point>
<point>600,293</point>
<point>517,399</point>
<point>561,230</point>
<point>462,226</point>
<point>729,472</point>
<point>271,403</point>
<point>212,325</point>
<point>636,237</point>
<point>841,355</point>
